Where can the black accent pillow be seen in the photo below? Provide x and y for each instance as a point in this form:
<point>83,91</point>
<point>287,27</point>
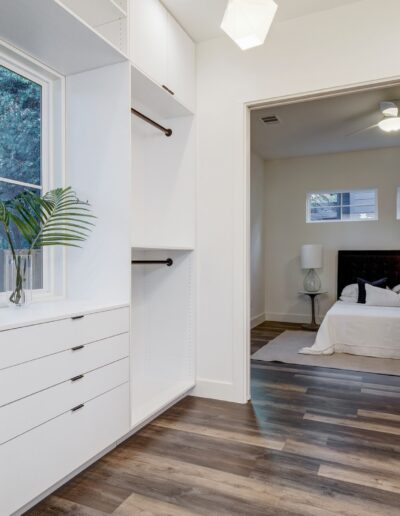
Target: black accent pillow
<point>362,294</point>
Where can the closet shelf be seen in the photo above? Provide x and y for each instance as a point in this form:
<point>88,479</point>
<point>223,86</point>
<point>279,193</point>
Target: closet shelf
<point>56,36</point>
<point>146,92</point>
<point>96,12</point>
<point>141,247</point>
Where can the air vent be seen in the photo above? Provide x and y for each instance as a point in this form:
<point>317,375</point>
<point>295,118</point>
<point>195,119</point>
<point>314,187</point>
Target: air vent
<point>270,119</point>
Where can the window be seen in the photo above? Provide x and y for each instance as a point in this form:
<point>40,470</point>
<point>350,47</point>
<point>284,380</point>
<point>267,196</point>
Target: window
<point>20,148</point>
<point>355,205</point>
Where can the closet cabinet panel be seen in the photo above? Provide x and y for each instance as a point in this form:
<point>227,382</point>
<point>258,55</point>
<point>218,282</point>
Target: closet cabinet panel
<point>148,38</point>
<point>58,447</point>
<point>162,332</point>
<point>60,367</point>
<point>32,411</point>
<point>163,184</point>
<point>181,64</point>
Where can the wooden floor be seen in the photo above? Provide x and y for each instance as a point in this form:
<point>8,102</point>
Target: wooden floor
<point>313,441</point>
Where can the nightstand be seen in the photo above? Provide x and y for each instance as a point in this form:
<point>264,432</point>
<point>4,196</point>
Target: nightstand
<point>313,326</point>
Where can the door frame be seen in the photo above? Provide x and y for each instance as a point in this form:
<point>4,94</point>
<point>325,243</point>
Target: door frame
<point>242,265</point>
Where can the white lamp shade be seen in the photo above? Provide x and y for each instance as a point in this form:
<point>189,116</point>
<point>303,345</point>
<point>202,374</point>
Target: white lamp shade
<point>311,256</point>
<point>247,22</point>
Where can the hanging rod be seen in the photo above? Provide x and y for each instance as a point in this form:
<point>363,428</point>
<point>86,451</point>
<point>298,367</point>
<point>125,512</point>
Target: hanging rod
<point>168,262</point>
<point>167,132</point>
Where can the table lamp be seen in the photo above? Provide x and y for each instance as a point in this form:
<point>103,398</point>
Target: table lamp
<point>311,259</point>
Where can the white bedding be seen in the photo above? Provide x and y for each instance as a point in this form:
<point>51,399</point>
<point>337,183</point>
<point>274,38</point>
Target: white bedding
<point>358,329</point>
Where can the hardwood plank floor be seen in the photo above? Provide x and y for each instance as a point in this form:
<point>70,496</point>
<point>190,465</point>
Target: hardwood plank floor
<point>313,441</point>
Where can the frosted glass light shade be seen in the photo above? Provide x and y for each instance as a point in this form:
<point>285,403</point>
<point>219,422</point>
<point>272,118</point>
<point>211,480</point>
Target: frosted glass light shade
<point>390,124</point>
<point>311,256</point>
<point>247,22</point>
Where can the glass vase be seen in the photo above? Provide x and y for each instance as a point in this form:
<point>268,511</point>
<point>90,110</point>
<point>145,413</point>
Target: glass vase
<point>18,278</point>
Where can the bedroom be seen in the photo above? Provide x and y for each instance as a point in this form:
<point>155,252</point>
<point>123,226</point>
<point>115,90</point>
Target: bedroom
<point>337,172</point>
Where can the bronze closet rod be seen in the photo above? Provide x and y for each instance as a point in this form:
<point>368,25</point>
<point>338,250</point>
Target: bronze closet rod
<point>167,132</point>
<point>168,262</point>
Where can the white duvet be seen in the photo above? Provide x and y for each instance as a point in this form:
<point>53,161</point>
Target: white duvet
<point>357,329</point>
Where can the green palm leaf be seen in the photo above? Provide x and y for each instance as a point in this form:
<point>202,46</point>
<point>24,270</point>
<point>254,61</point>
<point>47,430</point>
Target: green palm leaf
<point>57,218</point>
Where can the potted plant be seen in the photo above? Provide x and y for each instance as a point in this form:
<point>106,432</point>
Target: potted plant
<point>56,218</point>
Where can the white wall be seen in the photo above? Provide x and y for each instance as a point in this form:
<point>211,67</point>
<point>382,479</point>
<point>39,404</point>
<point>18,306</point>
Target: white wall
<point>257,244</point>
<point>286,229</point>
<point>330,49</point>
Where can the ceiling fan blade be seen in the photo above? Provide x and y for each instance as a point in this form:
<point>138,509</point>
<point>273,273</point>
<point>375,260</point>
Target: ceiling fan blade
<point>363,130</point>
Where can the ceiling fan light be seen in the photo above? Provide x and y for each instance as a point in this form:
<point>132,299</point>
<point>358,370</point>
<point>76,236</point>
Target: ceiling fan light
<point>390,124</point>
<point>247,22</point>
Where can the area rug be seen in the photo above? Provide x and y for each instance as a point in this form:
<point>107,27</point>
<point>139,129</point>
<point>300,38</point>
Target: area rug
<point>285,347</point>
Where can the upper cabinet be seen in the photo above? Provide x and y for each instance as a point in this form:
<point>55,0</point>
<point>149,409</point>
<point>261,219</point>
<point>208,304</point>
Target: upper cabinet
<point>107,17</point>
<point>162,50</point>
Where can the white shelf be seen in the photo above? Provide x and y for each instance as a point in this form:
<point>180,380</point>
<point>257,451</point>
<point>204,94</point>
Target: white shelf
<point>55,36</point>
<point>146,92</point>
<point>138,247</point>
<point>96,12</point>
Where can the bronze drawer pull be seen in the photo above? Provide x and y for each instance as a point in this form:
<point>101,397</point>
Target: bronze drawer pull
<point>76,348</point>
<point>78,407</point>
<point>77,317</point>
<point>167,89</point>
<point>76,378</point>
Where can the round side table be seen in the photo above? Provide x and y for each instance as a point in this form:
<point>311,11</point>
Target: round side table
<point>313,326</point>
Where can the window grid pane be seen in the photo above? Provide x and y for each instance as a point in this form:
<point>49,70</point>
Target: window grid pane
<point>20,152</point>
<point>356,205</point>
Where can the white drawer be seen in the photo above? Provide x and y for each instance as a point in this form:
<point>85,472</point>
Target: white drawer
<point>21,416</point>
<point>35,461</point>
<point>31,342</point>
<point>31,377</point>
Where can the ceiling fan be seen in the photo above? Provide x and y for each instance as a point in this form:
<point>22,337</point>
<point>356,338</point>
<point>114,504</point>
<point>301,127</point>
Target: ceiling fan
<point>391,120</point>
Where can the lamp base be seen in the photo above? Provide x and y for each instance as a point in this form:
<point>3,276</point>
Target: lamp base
<point>312,283</point>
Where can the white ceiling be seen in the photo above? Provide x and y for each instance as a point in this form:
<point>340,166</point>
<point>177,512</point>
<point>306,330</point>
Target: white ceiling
<point>324,126</point>
<point>202,18</point>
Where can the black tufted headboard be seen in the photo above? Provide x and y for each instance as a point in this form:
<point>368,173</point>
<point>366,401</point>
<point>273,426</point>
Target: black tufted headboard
<point>370,265</point>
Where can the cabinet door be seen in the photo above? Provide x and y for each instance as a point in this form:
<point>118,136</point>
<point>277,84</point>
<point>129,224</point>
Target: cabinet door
<point>148,38</point>
<point>181,64</point>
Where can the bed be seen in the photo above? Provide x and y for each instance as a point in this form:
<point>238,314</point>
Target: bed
<point>358,329</point>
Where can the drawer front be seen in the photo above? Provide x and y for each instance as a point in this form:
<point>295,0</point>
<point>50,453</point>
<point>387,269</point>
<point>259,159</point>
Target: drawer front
<point>31,342</point>
<point>31,377</point>
<point>35,461</point>
<point>21,416</point>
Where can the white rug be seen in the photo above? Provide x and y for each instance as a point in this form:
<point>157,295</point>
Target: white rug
<point>285,347</point>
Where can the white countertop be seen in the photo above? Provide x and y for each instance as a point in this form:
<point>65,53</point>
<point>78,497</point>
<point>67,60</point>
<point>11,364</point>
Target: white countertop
<point>42,312</point>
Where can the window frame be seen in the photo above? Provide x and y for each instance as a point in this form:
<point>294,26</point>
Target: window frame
<point>340,191</point>
<point>52,154</point>
<point>398,204</point>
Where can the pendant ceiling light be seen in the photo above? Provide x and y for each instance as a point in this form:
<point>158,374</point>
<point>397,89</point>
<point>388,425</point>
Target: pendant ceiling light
<point>390,124</point>
<point>247,22</point>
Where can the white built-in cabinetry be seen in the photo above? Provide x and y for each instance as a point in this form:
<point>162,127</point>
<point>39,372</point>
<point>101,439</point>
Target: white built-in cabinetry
<point>107,17</point>
<point>163,210</point>
<point>64,398</point>
<point>71,387</point>
<point>162,50</point>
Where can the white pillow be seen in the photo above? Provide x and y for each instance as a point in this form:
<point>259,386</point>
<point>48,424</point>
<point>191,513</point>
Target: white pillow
<point>348,300</point>
<point>381,297</point>
<point>396,289</point>
<point>350,294</point>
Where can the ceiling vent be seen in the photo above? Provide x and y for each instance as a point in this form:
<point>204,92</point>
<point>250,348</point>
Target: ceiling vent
<point>270,119</point>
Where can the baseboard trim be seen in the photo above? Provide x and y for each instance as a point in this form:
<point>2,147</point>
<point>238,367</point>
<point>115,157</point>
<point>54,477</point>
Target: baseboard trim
<point>212,389</point>
<point>258,319</point>
<point>290,318</point>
